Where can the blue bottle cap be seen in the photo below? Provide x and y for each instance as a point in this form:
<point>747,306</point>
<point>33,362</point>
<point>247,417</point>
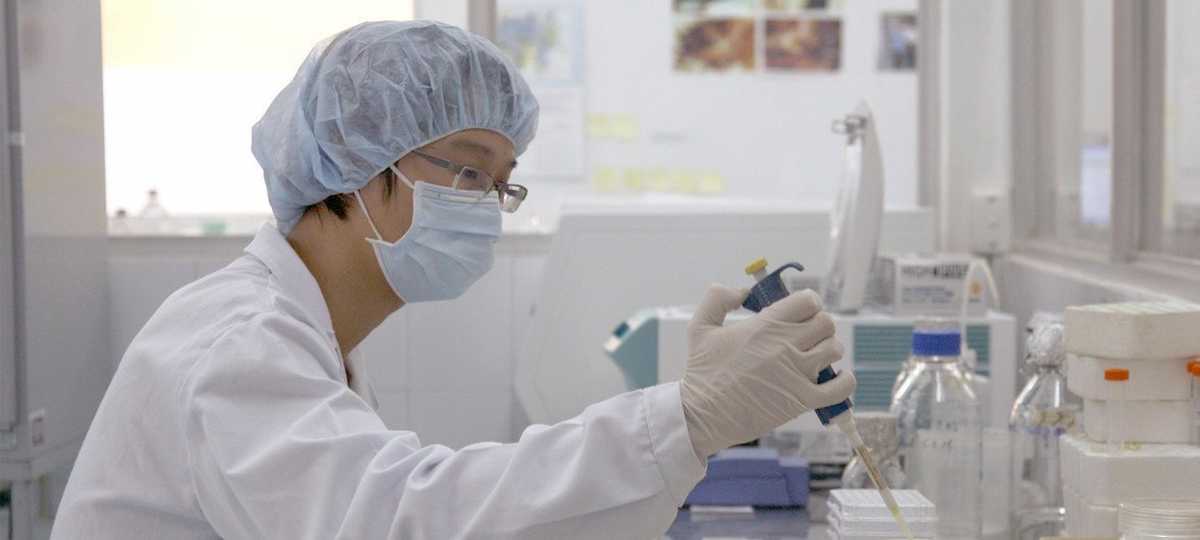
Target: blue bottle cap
<point>939,343</point>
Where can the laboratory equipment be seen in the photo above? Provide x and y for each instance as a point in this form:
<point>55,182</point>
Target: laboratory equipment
<point>1043,412</point>
<point>878,430</point>
<point>857,213</point>
<point>1156,421</point>
<point>941,429</point>
<point>607,262</point>
<point>929,285</point>
<point>1097,480</point>
<point>1157,379</point>
<point>1129,363</point>
<point>746,476</point>
<point>1194,370</point>
<point>1140,330</point>
<point>862,513</point>
<point>1117,420</point>
<point>633,346</point>
<point>1159,396</point>
<point>54,264</point>
<point>650,347</point>
<point>768,289</point>
<point>1160,519</point>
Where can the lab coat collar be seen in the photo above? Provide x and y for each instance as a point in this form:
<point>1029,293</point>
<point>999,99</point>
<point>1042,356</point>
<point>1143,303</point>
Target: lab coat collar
<point>296,282</point>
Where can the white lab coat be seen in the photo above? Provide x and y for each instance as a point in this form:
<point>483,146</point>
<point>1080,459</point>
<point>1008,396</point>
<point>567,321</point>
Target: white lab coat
<point>230,416</point>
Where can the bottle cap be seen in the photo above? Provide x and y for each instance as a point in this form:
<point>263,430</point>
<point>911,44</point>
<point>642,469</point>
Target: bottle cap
<point>1045,344</point>
<point>937,343</point>
<point>1193,366</point>
<point>758,265</point>
<point>1116,374</point>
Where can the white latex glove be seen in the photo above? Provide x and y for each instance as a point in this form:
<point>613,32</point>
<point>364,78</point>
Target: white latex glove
<point>748,378</point>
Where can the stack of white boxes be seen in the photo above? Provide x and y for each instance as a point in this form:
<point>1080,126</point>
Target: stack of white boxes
<point>860,514</point>
<point>1154,410</point>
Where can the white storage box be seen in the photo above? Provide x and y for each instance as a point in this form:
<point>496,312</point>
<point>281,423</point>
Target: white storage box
<point>861,513</point>
<point>1134,330</point>
<point>929,285</point>
<point>1159,379</point>
<point>856,504</point>
<point>1144,421</point>
<point>1104,477</point>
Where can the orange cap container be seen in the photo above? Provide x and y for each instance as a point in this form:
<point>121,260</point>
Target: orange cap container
<point>1116,374</point>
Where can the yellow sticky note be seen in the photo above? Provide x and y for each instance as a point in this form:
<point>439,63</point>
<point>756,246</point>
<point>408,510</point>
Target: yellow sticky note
<point>606,180</point>
<point>598,125</point>
<point>711,182</point>
<point>660,180</point>
<point>625,127</point>
<point>686,182</point>
<point>635,180</point>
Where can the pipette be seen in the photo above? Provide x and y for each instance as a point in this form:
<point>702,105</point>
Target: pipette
<point>769,289</point>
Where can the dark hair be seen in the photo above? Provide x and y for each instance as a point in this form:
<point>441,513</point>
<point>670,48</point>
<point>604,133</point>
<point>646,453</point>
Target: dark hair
<point>338,203</point>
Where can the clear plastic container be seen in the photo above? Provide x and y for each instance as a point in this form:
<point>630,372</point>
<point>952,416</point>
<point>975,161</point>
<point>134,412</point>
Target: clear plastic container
<point>1042,412</point>
<point>878,431</point>
<point>1116,416</point>
<point>1159,519</point>
<point>1194,369</point>
<point>940,429</point>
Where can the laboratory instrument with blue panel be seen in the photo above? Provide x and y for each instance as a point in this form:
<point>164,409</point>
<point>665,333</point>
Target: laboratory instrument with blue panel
<point>768,289</point>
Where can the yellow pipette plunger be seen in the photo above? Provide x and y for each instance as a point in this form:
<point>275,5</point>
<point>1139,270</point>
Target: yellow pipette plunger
<point>769,289</point>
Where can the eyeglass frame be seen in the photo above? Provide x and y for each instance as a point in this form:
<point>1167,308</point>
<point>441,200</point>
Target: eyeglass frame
<point>504,190</point>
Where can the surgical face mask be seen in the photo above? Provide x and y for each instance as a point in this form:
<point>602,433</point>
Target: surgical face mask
<point>448,247</point>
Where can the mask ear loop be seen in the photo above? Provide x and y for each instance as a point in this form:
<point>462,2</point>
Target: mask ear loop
<point>407,182</point>
<point>363,205</point>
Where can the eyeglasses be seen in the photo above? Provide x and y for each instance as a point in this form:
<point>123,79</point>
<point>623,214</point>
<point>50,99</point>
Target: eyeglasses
<point>472,179</point>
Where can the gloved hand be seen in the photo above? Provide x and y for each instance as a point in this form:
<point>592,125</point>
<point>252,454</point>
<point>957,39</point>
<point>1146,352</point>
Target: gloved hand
<point>748,378</point>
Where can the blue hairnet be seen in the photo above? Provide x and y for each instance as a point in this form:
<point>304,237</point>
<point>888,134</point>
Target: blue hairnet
<point>367,96</point>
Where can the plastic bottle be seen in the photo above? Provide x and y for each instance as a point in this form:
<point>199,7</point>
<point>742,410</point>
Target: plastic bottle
<point>1116,408</point>
<point>1159,519</point>
<point>1043,411</point>
<point>1193,368</point>
<point>878,430</point>
<point>940,428</point>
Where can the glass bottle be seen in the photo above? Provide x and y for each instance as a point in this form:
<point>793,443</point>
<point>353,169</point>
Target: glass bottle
<point>940,428</point>
<point>878,431</point>
<point>153,208</point>
<point>1042,412</point>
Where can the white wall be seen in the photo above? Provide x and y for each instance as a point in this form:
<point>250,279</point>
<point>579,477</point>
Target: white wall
<point>1029,284</point>
<point>767,134</point>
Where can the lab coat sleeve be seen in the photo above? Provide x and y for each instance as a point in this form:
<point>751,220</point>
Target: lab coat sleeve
<point>279,447</point>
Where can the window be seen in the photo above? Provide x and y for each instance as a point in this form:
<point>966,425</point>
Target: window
<point>1079,198</point>
<point>1107,108</point>
<point>185,80</point>
<point>1180,228</point>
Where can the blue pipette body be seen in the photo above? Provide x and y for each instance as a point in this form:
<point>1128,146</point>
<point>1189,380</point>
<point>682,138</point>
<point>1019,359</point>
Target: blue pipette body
<point>771,289</point>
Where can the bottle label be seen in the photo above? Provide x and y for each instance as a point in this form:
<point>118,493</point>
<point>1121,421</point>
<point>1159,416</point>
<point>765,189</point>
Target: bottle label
<point>945,466</point>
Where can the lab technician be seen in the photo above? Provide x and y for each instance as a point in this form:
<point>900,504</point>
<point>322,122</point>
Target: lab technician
<point>242,410</point>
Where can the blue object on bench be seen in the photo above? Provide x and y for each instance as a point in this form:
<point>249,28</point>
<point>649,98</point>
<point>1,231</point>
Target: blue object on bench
<point>752,477</point>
